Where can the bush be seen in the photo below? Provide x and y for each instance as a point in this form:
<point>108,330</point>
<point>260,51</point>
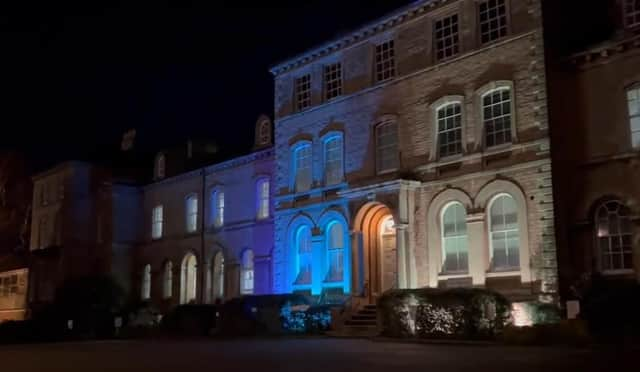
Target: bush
<point>304,319</point>
<point>455,313</point>
<point>191,320</point>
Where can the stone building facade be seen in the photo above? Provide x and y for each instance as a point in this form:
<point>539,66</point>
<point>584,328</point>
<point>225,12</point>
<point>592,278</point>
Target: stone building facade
<point>414,152</point>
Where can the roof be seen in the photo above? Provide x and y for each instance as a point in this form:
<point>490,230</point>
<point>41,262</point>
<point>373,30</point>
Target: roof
<point>605,50</point>
<point>393,19</point>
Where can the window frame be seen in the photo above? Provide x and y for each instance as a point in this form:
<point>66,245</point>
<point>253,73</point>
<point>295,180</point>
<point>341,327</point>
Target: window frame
<point>299,255</point>
<point>626,15</point>
<point>458,44</point>
<point>218,277</point>
<point>378,150</point>
<point>333,88</point>
<point>155,222</point>
<point>217,195</point>
<point>160,167</point>
<point>379,61</point>
<point>247,272</point>
<point>303,96</point>
<point>492,266</point>
<point>507,4</point>
<point>295,149</point>
<point>597,238</point>
<point>326,140</point>
<point>263,211</point>
<point>191,214</point>
<point>167,280</point>
<point>635,87</point>
<point>329,281</point>
<point>436,108</point>
<point>443,240</point>
<point>145,288</point>
<point>484,91</point>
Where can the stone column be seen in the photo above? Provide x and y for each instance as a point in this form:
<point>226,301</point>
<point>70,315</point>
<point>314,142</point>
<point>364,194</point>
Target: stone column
<point>401,251</point>
<point>478,250</point>
<point>357,263</point>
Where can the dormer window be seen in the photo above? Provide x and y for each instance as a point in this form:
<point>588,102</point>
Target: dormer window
<point>632,13</point>
<point>159,169</point>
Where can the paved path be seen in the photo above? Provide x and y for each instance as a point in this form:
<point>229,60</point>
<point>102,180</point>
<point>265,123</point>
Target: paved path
<point>303,355</point>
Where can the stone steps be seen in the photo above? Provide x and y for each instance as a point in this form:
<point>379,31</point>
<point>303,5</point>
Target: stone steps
<point>362,324</point>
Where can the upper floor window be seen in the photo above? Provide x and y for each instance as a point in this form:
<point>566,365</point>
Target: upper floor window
<point>192,213</point>
<point>504,233</point>
<point>159,171</point>
<point>335,253</point>
<point>303,92</point>
<point>614,236</point>
<point>247,284</point>
<point>263,194</point>
<point>631,13</point>
<point>447,40</point>
<point>304,254</point>
<point>455,244</point>
<point>387,147</point>
<point>302,167</point>
<point>332,81</point>
<point>497,116</point>
<point>217,207</point>
<point>385,61</point>
<point>333,160</point>
<point>156,222</point>
<point>449,122</point>
<point>633,98</point>
<point>493,20</point>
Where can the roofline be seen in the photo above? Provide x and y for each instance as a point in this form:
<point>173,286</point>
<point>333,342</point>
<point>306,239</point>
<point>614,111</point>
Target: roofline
<point>59,167</point>
<point>604,50</point>
<point>392,19</point>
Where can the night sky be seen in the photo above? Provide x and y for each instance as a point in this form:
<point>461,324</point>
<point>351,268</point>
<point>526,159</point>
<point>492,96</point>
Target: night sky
<point>77,75</point>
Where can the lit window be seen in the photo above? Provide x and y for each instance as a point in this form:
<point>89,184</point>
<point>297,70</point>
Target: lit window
<point>247,272</point>
<point>157,222</point>
<point>305,255</point>
<point>335,254</point>
<point>614,236</point>
<point>160,167</point>
<point>302,167</point>
<point>496,116</point>
<point>218,276</point>
<point>333,81</point>
<point>504,234</point>
<point>449,121</point>
<point>303,92</point>
<point>189,279</point>
<point>493,20</point>
<point>167,290</point>
<point>263,198</point>
<point>385,61</point>
<point>633,98</point>
<point>333,158</point>
<point>217,207</point>
<point>192,213</point>
<point>146,283</point>
<point>446,37</point>
<point>8,285</point>
<point>631,13</point>
<point>387,147</point>
<point>455,244</point>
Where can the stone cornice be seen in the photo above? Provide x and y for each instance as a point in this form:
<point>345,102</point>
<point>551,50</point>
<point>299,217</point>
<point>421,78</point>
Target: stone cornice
<point>603,52</point>
<point>394,185</point>
<point>398,17</point>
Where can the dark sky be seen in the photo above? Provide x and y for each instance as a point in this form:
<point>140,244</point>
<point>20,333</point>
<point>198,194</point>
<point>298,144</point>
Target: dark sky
<point>76,75</point>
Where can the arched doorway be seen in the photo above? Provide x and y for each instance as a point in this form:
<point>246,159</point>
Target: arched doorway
<point>375,261</point>
<point>188,279</point>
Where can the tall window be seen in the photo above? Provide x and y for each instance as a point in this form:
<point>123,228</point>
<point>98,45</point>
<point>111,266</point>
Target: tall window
<point>449,121</point>
<point>333,160</point>
<point>504,234</point>
<point>493,20</point>
<point>385,61</point>
<point>189,279</point>
<point>455,244</point>
<point>335,253</point>
<point>497,117</point>
<point>218,276</point>
<point>614,236</point>
<point>333,81</point>
<point>146,283</point>
<point>217,207</point>
<point>447,40</point>
<point>387,147</point>
<point>305,255</point>
<point>156,222</point>
<point>247,272</point>
<point>167,286</point>
<point>633,98</point>
<point>192,213</point>
<point>631,13</point>
<point>160,167</point>
<point>263,194</point>
<point>303,92</point>
<point>302,167</point>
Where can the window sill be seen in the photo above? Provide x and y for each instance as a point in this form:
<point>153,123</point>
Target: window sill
<point>503,274</point>
<point>447,276</point>
<point>388,171</point>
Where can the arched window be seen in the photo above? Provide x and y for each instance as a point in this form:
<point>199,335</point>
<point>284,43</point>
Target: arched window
<point>167,281</point>
<point>304,254</point>
<point>263,196</point>
<point>387,158</point>
<point>633,99</point>
<point>335,252</point>
<point>614,236</point>
<point>160,167</point>
<point>218,276</point>
<point>217,207</point>
<point>189,279</point>
<point>191,210</point>
<point>302,170</point>
<point>157,222</point>
<point>264,133</point>
<point>333,160</point>
<point>497,116</point>
<point>504,234</point>
<point>449,122</point>
<point>455,243</point>
<point>247,272</point>
<point>146,283</point>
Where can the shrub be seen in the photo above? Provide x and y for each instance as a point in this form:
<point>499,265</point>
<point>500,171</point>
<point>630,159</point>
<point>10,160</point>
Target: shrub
<point>305,319</point>
<point>191,320</point>
<point>455,313</point>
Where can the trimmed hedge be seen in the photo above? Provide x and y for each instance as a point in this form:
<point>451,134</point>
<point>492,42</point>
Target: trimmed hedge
<point>437,313</point>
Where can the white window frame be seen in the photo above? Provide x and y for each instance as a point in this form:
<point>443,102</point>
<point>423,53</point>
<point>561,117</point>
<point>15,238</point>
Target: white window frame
<point>501,28</point>
<point>392,148</point>
<point>442,51</point>
<point>609,237</point>
<point>191,213</point>
<point>442,106</point>
<point>335,251</point>
<point>167,280</point>
<point>630,12</point>
<point>217,207</point>
<point>302,87</point>
<point>444,239</point>
<point>145,288</point>
<point>633,103</point>
<point>247,278</point>
<point>333,80</point>
<point>157,222</point>
<point>333,159</point>
<point>302,181</point>
<point>505,232</point>
<point>385,61</point>
<point>263,198</point>
<point>218,276</point>
<point>307,253</point>
<point>489,89</point>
